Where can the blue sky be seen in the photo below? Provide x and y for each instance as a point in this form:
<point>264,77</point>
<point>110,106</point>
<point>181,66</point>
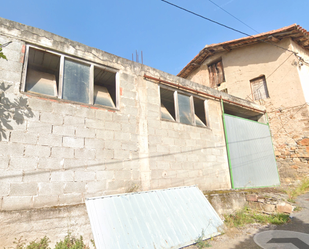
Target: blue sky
<point>168,37</point>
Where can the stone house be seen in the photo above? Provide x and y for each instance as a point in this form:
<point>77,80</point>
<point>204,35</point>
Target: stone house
<point>271,69</point>
<point>78,122</point>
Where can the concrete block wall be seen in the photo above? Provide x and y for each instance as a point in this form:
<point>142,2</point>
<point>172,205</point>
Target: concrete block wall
<point>59,153</point>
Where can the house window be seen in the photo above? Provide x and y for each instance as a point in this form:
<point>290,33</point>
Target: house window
<point>259,88</point>
<point>216,74</point>
<point>183,108</point>
<point>64,77</point>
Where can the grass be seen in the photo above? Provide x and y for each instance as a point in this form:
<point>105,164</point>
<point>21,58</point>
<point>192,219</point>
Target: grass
<point>248,216</point>
<point>300,189</point>
<point>200,243</point>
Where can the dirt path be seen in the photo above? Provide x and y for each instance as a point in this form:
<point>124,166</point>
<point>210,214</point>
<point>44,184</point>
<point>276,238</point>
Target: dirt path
<point>243,238</point>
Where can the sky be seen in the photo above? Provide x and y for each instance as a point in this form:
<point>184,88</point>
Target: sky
<point>168,37</point>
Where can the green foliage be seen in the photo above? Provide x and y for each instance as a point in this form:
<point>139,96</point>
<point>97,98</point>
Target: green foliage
<point>71,242</point>
<point>200,243</point>
<point>247,216</point>
<point>300,189</point>
<point>1,53</point>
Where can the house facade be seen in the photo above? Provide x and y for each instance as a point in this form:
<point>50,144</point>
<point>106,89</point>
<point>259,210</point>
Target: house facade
<point>78,122</point>
<point>271,69</point>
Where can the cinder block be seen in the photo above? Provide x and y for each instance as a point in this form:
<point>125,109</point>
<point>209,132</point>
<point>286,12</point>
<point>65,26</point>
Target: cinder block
<point>23,163</point>
<point>121,154</point>
<point>39,128</point>
<point>105,175</point>
<point>156,174</point>
<point>4,162</point>
<point>64,130</point>
<point>85,132</point>
<point>123,136</point>
<point>11,176</point>
<point>104,115</point>
<point>11,149</point>
<point>85,153</point>
<point>45,201</point>
<point>17,202</point>
<point>40,104</point>
<point>73,142</point>
<point>62,176</point>
<point>112,126</point>
<point>51,118</point>
<point>128,127</point>
<point>36,176</point>
<point>123,175</point>
<point>106,135</point>
<point>84,112</point>
<point>71,199</point>
<point>115,185</point>
<point>37,151</point>
<point>4,188</point>
<point>112,144</point>
<point>75,163</point>
<point>84,176</point>
<point>120,118</point>
<point>50,163</point>
<point>128,102</point>
<point>62,152</point>
<point>64,108</point>
<point>50,140</point>
<point>23,189</point>
<point>74,187</point>
<point>75,121</point>
<point>129,146</point>
<point>91,143</point>
<point>95,187</point>
<point>50,188</point>
<point>23,137</point>
<point>95,123</point>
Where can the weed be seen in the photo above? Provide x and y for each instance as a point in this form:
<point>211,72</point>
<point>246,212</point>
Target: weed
<point>71,242</point>
<point>247,216</point>
<point>132,188</point>
<point>200,243</point>
<point>300,189</point>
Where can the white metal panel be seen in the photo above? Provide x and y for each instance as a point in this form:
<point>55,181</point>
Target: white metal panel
<point>170,218</point>
<point>251,155</point>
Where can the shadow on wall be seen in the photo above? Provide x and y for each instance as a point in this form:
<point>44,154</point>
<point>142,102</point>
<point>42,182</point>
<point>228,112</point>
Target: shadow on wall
<point>15,111</point>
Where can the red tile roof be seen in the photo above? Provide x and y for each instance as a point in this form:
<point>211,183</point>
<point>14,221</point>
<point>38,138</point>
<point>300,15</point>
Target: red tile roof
<point>296,32</point>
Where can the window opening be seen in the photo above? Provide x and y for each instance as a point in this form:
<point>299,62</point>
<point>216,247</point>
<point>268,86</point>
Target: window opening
<point>185,112</point>
<point>216,74</point>
<point>76,81</point>
<point>167,104</point>
<point>80,81</point>
<point>104,87</point>
<point>200,114</point>
<point>259,88</point>
<point>42,72</point>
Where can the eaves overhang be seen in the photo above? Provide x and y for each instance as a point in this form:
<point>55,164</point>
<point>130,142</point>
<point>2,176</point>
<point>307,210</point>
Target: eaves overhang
<point>295,32</point>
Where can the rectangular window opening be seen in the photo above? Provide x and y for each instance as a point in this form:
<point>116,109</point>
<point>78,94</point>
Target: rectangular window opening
<point>185,111</point>
<point>62,76</point>
<point>167,104</point>
<point>42,72</point>
<point>259,88</point>
<point>216,74</point>
<point>76,78</point>
<point>104,87</point>
<point>200,114</point>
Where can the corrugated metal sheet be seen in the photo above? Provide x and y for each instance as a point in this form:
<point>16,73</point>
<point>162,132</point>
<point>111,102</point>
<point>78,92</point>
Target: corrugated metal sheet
<point>170,218</point>
<point>251,153</point>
